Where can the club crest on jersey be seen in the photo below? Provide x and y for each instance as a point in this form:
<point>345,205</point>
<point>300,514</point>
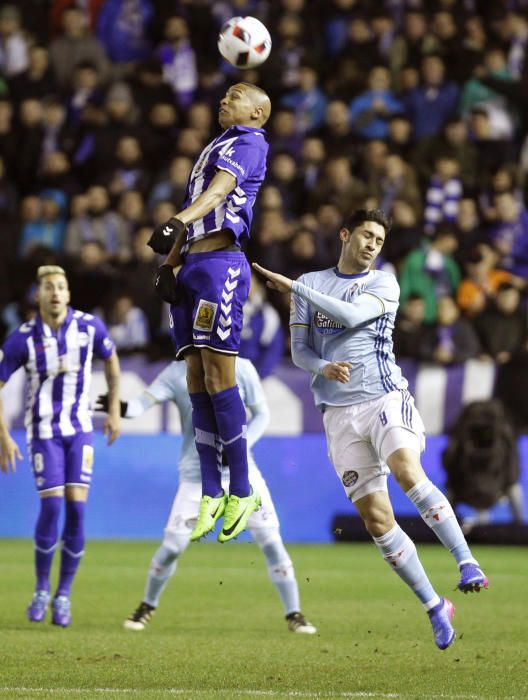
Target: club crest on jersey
<point>325,326</point>
<point>205,315</point>
<point>354,290</point>
<point>349,478</point>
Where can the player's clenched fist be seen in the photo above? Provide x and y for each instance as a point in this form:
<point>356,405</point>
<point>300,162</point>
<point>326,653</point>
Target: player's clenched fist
<point>164,235</point>
<point>338,371</point>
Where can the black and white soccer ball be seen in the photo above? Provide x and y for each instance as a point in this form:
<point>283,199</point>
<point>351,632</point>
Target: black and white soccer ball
<point>244,42</point>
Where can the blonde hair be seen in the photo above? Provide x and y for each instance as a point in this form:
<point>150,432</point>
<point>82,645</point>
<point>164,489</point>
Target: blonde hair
<point>45,270</point>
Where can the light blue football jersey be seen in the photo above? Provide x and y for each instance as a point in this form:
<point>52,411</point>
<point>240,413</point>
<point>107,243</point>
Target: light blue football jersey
<point>351,319</point>
<point>171,385</point>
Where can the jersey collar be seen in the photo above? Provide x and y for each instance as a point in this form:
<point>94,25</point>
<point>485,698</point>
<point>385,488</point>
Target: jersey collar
<point>351,277</point>
<point>46,330</point>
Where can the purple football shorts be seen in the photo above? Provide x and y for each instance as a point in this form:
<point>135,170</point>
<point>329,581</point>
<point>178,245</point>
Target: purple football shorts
<point>215,287</point>
<point>62,461</point>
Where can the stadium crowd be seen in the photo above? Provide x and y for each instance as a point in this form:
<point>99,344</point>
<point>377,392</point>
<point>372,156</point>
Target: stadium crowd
<point>418,108</point>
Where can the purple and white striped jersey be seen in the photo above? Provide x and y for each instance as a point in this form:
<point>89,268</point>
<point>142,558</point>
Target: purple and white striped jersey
<point>59,371</point>
<point>242,151</point>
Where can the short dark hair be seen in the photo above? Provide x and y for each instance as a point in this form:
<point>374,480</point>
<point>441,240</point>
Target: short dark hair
<point>359,216</point>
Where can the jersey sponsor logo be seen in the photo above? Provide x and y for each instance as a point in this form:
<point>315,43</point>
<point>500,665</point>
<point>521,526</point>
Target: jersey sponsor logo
<point>349,478</point>
<point>201,336</point>
<point>325,326</point>
<point>234,164</point>
<point>355,290</point>
<point>205,315</point>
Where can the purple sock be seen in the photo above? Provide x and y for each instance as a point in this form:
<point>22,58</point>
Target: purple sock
<point>72,545</point>
<point>46,535</point>
<point>207,443</point>
<point>231,421</point>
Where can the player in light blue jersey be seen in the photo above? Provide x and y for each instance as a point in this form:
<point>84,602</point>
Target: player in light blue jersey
<point>56,349</point>
<point>341,330</point>
<point>203,242</point>
<point>170,385</point>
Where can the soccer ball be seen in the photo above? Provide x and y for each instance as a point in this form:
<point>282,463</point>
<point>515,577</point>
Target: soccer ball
<point>244,42</point>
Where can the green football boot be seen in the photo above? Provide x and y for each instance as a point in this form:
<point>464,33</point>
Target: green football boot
<point>210,510</point>
<point>237,514</point>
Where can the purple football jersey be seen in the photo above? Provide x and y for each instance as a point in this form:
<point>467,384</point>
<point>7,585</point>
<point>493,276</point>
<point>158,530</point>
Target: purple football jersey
<point>242,151</point>
<point>59,370</point>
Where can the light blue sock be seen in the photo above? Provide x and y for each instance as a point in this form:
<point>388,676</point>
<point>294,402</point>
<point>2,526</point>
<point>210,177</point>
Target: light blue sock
<point>399,552</point>
<point>436,512</point>
<point>282,575</point>
<point>162,567</point>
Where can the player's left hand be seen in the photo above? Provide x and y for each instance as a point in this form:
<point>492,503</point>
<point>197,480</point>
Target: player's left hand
<point>166,285</point>
<point>112,427</point>
<point>9,453</point>
<point>164,235</point>
<point>274,280</point>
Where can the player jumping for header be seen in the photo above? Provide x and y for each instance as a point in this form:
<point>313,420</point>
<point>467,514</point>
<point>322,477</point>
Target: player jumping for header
<point>341,329</point>
<point>207,299</point>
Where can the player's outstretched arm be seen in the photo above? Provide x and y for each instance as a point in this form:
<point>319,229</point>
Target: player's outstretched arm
<point>9,450</point>
<point>273,280</point>
<point>113,420</point>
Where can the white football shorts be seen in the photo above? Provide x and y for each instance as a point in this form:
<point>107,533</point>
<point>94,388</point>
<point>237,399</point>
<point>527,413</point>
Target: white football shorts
<point>186,505</point>
<point>361,437</point>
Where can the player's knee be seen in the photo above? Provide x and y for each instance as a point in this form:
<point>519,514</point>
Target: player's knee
<point>378,521</point>
<point>406,468</point>
<point>176,541</point>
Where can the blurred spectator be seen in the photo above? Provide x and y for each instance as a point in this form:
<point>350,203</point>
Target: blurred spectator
<point>262,338</point>
<point>406,232</point>
<point>477,94</point>
<point>92,279</point>
<point>308,101</point>
<point>509,234</point>
<point>411,44</point>
<point>76,45</point>
<point>172,184</point>
<point>30,135</point>
<point>312,158</point>
<point>502,326</point>
<point>371,110</point>
<point>482,280</point>
<point>434,101</point>
<point>411,333</point>
<point>361,43</point>
<point>127,324</point>
<point>454,139</point>
<point>14,54</point>
<point>398,182</point>
<point>283,132</point>
<point>444,193</point>
<point>281,71</point>
<point>469,230</point>
<point>491,151</point>
<point>336,131</point>
<point>337,185</point>
<point>454,339</point>
<point>139,275</point>
<point>128,171</point>
<point>49,228</point>
<point>148,86</point>
<point>502,178</point>
<point>8,140</point>
<point>123,28</point>
<point>178,61</point>
<point>284,175</point>
<point>431,272</point>
<point>344,78</point>
<point>131,207</point>
<point>400,136</point>
<point>37,80</point>
<point>85,91</point>
<point>100,224</point>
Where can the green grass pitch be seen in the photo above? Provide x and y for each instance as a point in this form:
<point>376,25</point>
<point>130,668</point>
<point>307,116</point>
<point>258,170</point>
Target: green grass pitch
<point>219,631</point>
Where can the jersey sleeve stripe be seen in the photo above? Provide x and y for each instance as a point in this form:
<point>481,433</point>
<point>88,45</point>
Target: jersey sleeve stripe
<point>378,298</point>
<point>299,325</point>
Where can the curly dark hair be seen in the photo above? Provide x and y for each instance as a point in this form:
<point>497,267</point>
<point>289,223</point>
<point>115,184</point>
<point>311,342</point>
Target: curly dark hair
<point>359,216</point>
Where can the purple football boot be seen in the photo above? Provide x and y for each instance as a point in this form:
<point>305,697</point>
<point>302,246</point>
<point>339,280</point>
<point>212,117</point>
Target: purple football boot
<point>441,617</point>
<point>36,611</point>
<point>61,611</point>
<point>472,578</point>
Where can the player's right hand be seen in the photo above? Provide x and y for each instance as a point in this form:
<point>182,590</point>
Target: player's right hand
<point>166,285</point>
<point>9,453</point>
<point>102,405</point>
<point>164,235</point>
<point>337,371</point>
